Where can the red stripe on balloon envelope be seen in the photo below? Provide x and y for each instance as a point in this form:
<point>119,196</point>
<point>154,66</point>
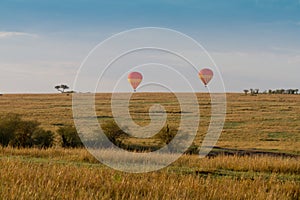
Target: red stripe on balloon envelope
<point>206,75</point>
<point>135,78</point>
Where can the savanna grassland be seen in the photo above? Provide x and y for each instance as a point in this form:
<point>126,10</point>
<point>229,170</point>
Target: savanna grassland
<point>265,128</point>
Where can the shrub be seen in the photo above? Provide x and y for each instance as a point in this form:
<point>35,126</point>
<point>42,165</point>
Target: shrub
<point>114,133</point>
<point>42,138</point>
<point>23,133</point>
<point>8,126</point>
<point>69,137</point>
<point>193,149</point>
<point>166,134</point>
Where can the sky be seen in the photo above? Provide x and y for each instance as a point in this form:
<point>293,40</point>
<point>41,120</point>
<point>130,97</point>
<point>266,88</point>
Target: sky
<point>254,43</point>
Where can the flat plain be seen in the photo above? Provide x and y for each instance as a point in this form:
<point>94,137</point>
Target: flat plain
<point>256,157</point>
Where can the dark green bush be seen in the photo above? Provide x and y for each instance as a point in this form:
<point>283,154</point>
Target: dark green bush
<point>23,134</point>
<point>114,133</point>
<point>166,134</point>
<point>42,138</point>
<point>193,149</point>
<point>69,137</point>
<point>8,126</point>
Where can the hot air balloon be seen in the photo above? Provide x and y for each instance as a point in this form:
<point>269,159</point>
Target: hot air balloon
<point>135,78</point>
<point>206,75</point>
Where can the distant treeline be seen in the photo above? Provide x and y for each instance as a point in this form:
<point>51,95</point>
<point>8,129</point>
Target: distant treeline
<point>270,91</point>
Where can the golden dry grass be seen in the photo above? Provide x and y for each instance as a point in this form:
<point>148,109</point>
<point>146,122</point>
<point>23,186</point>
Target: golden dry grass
<point>263,122</point>
<point>267,122</point>
<point>74,174</point>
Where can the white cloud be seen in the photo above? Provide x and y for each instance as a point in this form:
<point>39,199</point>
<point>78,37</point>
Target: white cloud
<point>4,34</point>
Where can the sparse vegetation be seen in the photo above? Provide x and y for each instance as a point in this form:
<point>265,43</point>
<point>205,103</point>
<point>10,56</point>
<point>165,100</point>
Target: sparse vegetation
<point>257,155</point>
<point>61,88</point>
<point>270,91</point>
<point>42,138</point>
<point>256,117</point>
<point>167,134</point>
<point>69,137</point>
<point>8,124</point>
<point>23,133</point>
<point>114,133</point>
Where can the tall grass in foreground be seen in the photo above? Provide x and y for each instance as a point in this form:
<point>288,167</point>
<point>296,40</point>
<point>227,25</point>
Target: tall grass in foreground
<point>74,174</point>
<point>235,163</point>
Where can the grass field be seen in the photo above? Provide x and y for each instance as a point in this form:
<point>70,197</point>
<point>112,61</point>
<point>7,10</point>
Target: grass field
<point>263,122</point>
<point>74,174</point>
<point>255,125</point>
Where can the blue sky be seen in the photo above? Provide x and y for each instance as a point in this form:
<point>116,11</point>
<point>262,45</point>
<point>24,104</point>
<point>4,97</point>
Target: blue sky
<point>255,43</point>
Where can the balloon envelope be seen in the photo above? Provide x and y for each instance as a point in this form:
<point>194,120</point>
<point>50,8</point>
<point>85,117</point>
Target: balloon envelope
<point>206,75</point>
<point>135,78</point>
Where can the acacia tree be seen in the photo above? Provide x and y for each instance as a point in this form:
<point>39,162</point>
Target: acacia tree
<point>61,88</point>
<point>246,92</point>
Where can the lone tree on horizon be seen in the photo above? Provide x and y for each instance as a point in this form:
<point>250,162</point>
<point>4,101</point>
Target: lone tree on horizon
<point>246,92</point>
<point>62,88</point>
